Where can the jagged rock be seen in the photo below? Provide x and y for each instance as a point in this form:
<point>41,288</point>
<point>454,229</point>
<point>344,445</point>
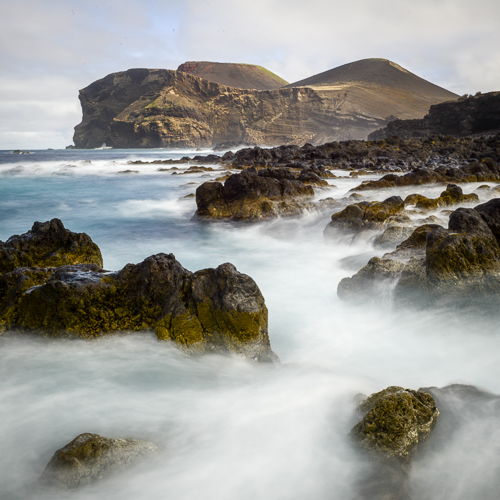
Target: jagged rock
<point>486,170</point>
<point>253,195</point>
<point>90,457</point>
<point>364,215</point>
<point>48,244</point>
<point>465,116</point>
<point>212,310</point>
<point>451,196</point>
<point>392,235</point>
<point>459,265</point>
<point>490,212</point>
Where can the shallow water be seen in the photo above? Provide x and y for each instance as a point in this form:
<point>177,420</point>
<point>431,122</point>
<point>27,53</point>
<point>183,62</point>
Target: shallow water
<point>227,427</point>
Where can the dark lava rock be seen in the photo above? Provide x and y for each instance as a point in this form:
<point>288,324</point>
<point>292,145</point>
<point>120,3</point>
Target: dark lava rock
<point>395,423</point>
<point>393,235</point>
<point>451,196</point>
<point>365,215</point>
<point>212,310</point>
<point>252,195</point>
<point>457,266</point>
<point>90,457</point>
<point>466,116</point>
<point>48,244</point>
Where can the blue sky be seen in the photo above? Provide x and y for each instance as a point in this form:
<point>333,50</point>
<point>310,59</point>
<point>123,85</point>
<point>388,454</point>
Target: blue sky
<point>52,48</point>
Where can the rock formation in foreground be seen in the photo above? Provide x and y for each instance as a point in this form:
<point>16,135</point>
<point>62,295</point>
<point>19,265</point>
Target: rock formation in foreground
<point>89,458</point>
<point>212,310</point>
<point>240,76</point>
<point>473,115</point>
<point>147,108</point>
<point>395,423</point>
<point>437,266</point>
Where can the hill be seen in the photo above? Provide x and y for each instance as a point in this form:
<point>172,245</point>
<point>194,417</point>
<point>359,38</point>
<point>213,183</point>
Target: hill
<point>371,91</point>
<point>165,108</point>
<point>240,76</point>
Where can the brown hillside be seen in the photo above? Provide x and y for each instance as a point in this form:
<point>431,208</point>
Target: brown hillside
<point>240,76</point>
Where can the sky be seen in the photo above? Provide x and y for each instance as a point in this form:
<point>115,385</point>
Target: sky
<point>50,49</point>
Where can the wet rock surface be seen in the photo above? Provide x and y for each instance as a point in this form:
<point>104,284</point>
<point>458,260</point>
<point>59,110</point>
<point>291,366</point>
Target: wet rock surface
<point>89,458</point>
<point>455,266</point>
<point>48,244</point>
<point>396,422</point>
<point>212,310</point>
<point>253,195</point>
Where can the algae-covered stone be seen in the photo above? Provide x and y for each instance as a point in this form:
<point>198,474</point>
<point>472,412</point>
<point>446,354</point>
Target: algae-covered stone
<point>365,215</point>
<point>48,244</point>
<point>212,310</point>
<point>90,457</point>
<point>396,422</point>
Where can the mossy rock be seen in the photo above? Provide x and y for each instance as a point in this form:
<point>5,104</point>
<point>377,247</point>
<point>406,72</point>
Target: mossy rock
<point>212,310</point>
<point>89,458</point>
<point>396,422</point>
<point>48,244</point>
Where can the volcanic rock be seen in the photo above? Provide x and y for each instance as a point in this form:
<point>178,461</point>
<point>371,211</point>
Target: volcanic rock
<point>48,244</point>
<point>456,266</point>
<point>163,108</point>
<point>89,458</point>
<point>396,421</point>
<point>479,114</point>
<point>212,310</point>
<point>252,195</point>
<point>240,76</point>
<point>364,215</point>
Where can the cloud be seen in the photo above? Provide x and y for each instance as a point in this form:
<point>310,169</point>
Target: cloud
<point>51,49</point>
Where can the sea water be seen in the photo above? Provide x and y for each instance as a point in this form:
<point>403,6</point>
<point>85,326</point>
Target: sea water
<point>228,428</point>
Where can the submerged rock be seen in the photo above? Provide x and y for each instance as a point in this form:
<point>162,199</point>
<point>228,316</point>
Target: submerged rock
<point>90,457</point>
<point>48,244</point>
<point>252,195</point>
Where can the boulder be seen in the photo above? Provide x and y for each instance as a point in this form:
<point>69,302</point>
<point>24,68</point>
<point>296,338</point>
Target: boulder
<point>252,195</point>
<point>48,244</point>
<point>89,458</point>
<point>395,423</point>
<point>451,196</point>
<point>392,235</point>
<point>365,215</point>
<point>212,310</point>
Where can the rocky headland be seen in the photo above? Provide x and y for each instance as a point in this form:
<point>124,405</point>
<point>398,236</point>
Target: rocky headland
<point>150,108</point>
<point>52,283</point>
<point>469,115</point>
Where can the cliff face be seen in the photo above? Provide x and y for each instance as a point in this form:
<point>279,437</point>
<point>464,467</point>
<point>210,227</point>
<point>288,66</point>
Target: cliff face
<point>478,114</point>
<point>147,108</point>
<point>163,108</point>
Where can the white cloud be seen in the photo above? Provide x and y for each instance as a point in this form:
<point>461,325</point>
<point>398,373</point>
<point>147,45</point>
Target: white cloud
<point>51,49</point>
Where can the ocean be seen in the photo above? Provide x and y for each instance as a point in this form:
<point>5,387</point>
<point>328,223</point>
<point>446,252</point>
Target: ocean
<point>228,428</point>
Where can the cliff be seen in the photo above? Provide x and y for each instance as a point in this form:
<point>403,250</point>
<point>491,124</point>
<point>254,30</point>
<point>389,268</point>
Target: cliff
<point>473,115</point>
<point>148,108</point>
<point>240,76</point>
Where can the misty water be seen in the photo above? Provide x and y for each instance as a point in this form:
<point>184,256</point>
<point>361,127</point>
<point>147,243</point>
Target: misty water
<point>228,428</point>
